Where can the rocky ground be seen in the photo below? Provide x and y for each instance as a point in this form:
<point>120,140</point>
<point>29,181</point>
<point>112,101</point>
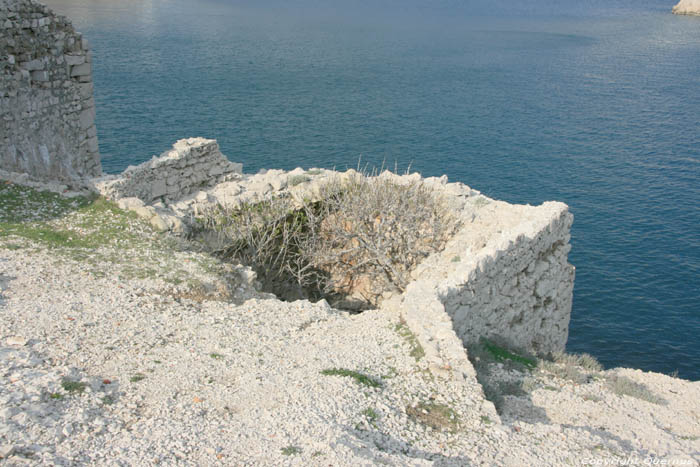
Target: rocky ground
<point>119,345</point>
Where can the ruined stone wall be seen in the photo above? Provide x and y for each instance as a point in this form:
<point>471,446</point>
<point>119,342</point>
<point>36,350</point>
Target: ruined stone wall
<point>504,276</point>
<point>521,293</point>
<point>47,110</point>
<point>191,165</point>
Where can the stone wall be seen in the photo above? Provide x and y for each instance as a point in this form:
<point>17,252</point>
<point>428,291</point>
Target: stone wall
<point>47,110</point>
<point>504,276</point>
<point>191,165</point>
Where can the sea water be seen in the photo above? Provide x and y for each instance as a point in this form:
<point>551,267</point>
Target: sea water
<point>596,104</point>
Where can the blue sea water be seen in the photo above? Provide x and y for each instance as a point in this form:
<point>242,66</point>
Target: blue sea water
<point>593,103</point>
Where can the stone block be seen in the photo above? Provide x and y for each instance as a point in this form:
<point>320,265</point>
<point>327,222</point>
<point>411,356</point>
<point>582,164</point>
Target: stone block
<point>87,118</point>
<point>216,170</point>
<point>93,145</point>
<point>74,60</point>
<point>80,70</point>
<point>40,75</point>
<point>85,90</point>
<point>33,65</point>
<point>158,189</point>
<point>158,224</point>
<point>130,204</point>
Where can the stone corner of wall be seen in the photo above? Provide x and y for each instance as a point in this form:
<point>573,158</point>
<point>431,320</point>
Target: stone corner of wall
<point>506,275</point>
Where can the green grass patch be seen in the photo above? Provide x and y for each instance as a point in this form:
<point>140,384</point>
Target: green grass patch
<point>502,354</point>
<point>56,395</point>
<point>360,378</point>
<point>417,350</point>
<point>107,400</point>
<point>216,356</point>
<point>291,450</point>
<point>137,377</point>
<point>73,387</point>
<point>370,414</point>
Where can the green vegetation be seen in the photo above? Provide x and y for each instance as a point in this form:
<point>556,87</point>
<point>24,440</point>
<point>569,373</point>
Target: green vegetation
<point>107,400</point>
<point>56,222</point>
<point>358,377</point>
<point>291,450</point>
<point>417,350</point>
<point>502,354</point>
<point>73,386</point>
<point>436,416</point>
<point>137,377</point>
<point>56,395</point>
<point>103,238</point>
<point>216,356</point>
<point>371,415</point>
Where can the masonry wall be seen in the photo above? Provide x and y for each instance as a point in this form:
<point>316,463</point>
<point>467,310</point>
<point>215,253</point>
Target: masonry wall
<point>504,276</point>
<point>191,165</point>
<point>47,110</point>
<point>521,293</point>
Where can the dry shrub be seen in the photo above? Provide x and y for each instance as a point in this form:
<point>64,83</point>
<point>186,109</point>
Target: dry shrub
<point>270,236</point>
<point>373,231</point>
<point>359,237</point>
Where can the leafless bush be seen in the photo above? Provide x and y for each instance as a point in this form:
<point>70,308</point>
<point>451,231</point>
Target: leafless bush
<point>373,231</point>
<point>359,237</point>
<point>271,236</point>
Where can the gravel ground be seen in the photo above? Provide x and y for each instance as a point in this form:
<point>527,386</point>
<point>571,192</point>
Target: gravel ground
<point>102,365</point>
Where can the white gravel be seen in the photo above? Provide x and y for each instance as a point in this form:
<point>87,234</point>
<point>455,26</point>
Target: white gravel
<point>174,381</point>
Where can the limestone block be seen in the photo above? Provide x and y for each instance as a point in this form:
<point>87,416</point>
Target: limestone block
<point>33,65</point>
<point>80,70</point>
<point>130,204</point>
<point>73,60</point>
<point>87,118</point>
<point>93,145</point>
<point>216,170</point>
<point>40,75</point>
<point>144,212</point>
<point>158,223</point>
<point>158,189</point>
<point>86,90</point>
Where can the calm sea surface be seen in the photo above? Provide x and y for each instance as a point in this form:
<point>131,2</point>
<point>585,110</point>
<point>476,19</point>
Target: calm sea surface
<point>594,105</point>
